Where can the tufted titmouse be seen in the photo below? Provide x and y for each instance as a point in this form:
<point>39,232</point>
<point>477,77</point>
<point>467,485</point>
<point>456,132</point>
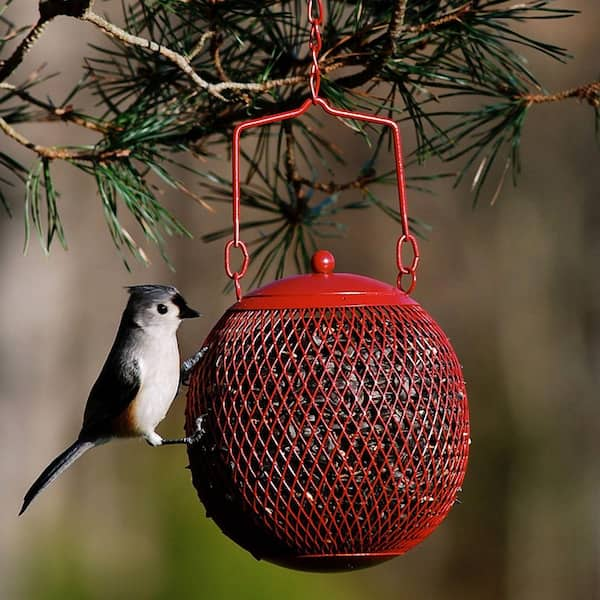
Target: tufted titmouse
<point>138,382</point>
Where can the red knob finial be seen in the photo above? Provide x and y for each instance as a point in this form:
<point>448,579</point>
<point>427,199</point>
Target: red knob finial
<point>323,262</point>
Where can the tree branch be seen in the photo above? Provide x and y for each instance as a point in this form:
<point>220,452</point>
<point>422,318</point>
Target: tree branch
<point>374,66</point>
<point>133,40</point>
<point>396,24</point>
<point>183,62</point>
<point>200,44</point>
<point>82,9</point>
<point>393,32</point>
<point>590,93</point>
<point>452,16</point>
<point>291,168</point>
<point>23,48</point>
<point>211,62</point>
<point>53,153</point>
<point>55,113</point>
<point>331,187</point>
<point>298,181</point>
<point>49,9</point>
<point>216,56</point>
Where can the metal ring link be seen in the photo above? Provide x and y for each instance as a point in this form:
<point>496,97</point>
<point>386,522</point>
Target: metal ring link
<point>411,286</point>
<point>412,268</point>
<point>311,16</point>
<point>236,275</point>
<point>237,286</point>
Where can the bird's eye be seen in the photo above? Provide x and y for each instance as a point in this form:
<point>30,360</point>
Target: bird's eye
<point>162,309</point>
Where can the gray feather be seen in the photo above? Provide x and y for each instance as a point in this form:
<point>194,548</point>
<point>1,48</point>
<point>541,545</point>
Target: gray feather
<point>62,462</point>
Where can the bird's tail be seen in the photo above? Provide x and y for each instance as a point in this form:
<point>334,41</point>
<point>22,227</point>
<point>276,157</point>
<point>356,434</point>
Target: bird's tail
<point>62,462</point>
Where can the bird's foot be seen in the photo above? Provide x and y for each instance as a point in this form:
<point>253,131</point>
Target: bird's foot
<point>189,364</point>
<point>191,439</point>
<point>200,431</point>
<point>174,442</point>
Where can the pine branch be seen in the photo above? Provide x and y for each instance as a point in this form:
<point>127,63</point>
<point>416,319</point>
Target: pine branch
<point>174,80</point>
<point>55,113</point>
<point>23,49</point>
<point>184,63</point>
<point>49,9</point>
<point>179,60</point>
<point>396,25</point>
<point>450,17</point>
<point>589,93</point>
<point>62,153</point>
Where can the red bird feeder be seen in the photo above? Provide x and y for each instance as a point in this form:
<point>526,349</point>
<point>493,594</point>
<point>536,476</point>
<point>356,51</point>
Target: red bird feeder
<point>334,407</point>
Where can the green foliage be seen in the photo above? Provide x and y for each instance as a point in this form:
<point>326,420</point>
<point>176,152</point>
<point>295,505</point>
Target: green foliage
<point>454,70</point>
<point>40,183</point>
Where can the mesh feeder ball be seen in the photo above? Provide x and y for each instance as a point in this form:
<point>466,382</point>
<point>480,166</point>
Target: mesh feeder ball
<point>336,421</point>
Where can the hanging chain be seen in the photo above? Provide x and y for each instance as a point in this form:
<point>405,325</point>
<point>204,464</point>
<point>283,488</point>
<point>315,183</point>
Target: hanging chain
<point>315,43</point>
<point>410,270</point>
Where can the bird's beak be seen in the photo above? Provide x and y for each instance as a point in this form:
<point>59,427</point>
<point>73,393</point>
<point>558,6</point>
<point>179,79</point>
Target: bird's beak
<point>185,312</point>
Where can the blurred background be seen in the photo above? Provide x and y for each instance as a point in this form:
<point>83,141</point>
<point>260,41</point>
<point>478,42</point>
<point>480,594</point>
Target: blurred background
<point>516,287</point>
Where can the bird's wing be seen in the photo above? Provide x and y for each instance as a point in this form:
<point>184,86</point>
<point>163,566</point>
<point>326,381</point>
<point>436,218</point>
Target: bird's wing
<point>115,389</point>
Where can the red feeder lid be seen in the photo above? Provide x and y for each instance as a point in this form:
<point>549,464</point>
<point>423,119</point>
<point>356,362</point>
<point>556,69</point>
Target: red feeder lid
<point>323,288</point>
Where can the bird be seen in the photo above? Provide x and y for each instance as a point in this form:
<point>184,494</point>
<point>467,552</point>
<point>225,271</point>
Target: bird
<point>138,382</point>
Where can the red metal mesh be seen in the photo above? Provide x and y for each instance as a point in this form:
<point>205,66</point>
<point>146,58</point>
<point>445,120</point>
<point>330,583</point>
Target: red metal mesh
<point>330,432</point>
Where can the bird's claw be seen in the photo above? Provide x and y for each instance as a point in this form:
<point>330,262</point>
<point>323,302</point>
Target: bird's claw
<point>200,431</point>
<point>190,439</point>
<point>189,364</point>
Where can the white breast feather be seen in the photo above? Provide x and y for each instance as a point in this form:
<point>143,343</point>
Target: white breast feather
<point>159,370</point>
